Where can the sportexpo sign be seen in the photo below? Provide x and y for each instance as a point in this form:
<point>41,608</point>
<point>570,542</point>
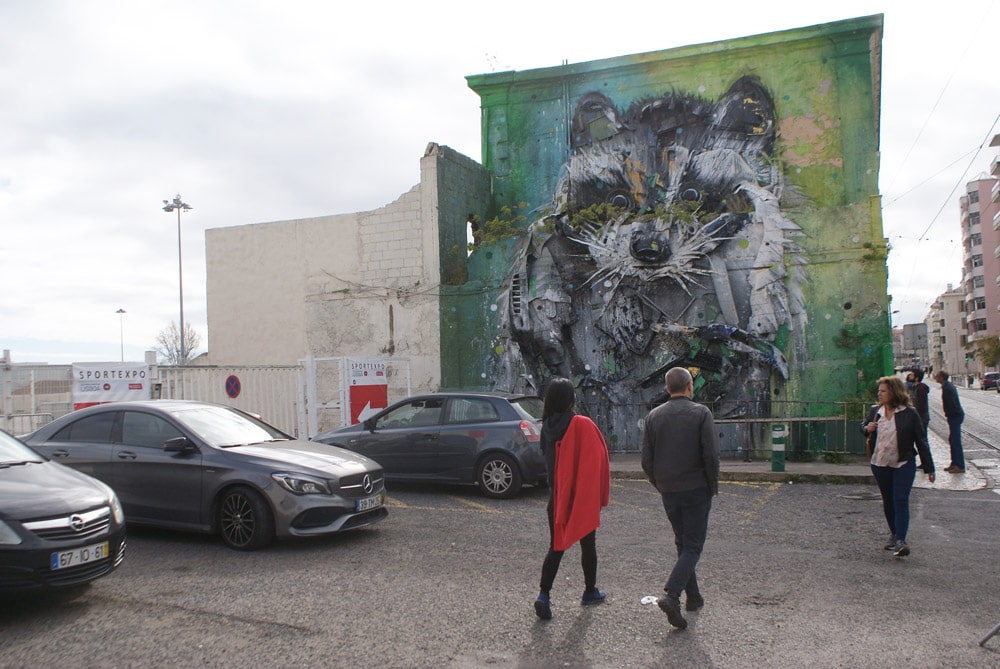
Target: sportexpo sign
<point>369,387</point>
<point>101,382</point>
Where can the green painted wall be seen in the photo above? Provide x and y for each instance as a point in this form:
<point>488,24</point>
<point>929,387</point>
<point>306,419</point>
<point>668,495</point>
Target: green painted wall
<point>824,81</point>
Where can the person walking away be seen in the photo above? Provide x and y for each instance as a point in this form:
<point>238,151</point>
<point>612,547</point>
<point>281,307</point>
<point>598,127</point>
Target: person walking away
<point>579,476</point>
<point>680,455</point>
<point>920,393</point>
<point>899,435</point>
<point>955,415</point>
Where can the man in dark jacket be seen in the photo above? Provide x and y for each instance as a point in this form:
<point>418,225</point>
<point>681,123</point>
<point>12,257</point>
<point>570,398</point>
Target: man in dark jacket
<point>920,392</point>
<point>955,415</point>
<point>680,455</point>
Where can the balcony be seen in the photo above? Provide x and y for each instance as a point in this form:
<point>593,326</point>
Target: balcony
<point>995,193</point>
<point>995,166</point>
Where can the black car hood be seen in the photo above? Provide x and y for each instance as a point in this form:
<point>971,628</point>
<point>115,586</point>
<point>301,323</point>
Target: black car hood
<point>41,489</point>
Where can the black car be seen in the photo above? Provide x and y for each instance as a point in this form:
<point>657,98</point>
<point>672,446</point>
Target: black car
<point>490,439</point>
<point>210,468</point>
<point>58,527</point>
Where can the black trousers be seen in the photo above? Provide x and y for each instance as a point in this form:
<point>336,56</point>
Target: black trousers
<point>588,558</point>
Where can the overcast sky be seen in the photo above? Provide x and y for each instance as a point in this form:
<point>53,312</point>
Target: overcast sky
<point>260,111</point>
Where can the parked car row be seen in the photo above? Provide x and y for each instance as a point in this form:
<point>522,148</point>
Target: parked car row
<point>67,491</point>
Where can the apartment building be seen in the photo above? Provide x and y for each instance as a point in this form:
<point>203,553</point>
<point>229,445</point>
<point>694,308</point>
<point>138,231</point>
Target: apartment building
<point>947,334</point>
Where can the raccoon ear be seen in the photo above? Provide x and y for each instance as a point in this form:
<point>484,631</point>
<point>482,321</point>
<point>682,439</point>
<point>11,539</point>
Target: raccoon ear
<point>594,120</point>
<point>746,108</point>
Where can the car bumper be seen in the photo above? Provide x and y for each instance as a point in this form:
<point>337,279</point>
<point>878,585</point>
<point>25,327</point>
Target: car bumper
<point>312,515</point>
<point>28,566</point>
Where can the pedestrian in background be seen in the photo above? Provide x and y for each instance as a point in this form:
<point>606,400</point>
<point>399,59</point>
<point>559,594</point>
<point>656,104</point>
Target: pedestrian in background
<point>920,393</point>
<point>898,435</point>
<point>579,486</point>
<point>955,415</point>
<point>680,455</point>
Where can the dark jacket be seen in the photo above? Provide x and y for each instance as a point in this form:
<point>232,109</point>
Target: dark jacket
<point>920,401</point>
<point>911,437</point>
<point>680,449</point>
<point>949,401</point>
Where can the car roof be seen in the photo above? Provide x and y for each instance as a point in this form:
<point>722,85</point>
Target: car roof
<point>473,393</point>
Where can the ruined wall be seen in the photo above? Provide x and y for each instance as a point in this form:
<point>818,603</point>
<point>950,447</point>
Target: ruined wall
<point>713,206</point>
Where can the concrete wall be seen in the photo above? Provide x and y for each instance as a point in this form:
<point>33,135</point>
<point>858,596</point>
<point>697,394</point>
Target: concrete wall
<point>363,284</point>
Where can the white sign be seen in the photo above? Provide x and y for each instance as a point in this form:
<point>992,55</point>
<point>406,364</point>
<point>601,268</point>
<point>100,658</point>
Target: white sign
<point>101,382</point>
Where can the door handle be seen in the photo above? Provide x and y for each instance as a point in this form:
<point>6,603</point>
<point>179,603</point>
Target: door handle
<point>60,454</point>
<point>126,455</point>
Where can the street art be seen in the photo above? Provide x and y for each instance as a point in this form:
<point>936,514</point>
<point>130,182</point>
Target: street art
<point>665,244</point>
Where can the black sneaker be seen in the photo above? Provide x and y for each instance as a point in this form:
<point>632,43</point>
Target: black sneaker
<point>891,544</point>
<point>542,608</point>
<point>694,603</point>
<point>671,605</point>
<point>901,549</point>
<point>594,596</point>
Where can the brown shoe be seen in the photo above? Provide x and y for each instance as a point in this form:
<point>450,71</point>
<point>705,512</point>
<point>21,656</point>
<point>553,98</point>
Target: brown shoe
<point>952,469</point>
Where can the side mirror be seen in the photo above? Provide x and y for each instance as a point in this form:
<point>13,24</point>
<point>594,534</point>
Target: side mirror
<point>369,424</point>
<point>178,445</point>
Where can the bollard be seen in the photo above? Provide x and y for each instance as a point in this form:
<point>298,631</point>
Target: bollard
<point>778,433</point>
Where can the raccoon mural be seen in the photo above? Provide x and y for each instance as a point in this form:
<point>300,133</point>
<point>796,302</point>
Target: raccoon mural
<point>664,245</point>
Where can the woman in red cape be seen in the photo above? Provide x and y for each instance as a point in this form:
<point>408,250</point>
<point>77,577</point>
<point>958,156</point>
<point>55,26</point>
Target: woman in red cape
<point>579,486</point>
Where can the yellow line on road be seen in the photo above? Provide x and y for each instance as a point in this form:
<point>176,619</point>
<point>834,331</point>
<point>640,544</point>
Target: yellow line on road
<point>752,514</point>
<point>474,505</point>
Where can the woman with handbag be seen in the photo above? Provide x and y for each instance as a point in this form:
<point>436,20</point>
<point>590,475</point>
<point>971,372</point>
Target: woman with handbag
<point>897,435</point>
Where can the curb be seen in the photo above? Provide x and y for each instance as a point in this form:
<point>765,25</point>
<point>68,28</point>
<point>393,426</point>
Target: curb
<point>769,477</point>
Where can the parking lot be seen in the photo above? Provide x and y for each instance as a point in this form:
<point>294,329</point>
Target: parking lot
<point>793,575</point>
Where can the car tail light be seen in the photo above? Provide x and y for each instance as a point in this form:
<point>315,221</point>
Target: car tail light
<point>530,433</point>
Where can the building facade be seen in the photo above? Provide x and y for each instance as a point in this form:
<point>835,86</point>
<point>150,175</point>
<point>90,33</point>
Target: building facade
<point>947,334</point>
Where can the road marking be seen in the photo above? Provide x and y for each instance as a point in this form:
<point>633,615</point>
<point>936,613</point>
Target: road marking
<point>474,505</point>
<point>751,515</point>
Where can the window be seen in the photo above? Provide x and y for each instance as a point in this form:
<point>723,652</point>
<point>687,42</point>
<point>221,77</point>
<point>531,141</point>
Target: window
<point>979,303</point>
<point>976,239</point>
<point>944,339</point>
<point>973,196</point>
<point>417,413</point>
<point>471,410</point>
<point>94,429</point>
<point>143,429</point>
<point>977,260</point>
<point>974,218</point>
<point>979,281</point>
<point>979,324</point>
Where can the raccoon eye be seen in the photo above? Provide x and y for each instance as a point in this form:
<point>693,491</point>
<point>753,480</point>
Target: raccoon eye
<point>691,195</point>
<point>620,200</point>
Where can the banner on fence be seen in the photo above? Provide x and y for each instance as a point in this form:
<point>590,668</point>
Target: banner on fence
<point>369,387</point>
<point>102,382</point>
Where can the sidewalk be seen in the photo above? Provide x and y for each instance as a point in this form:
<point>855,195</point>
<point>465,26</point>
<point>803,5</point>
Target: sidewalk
<point>627,466</point>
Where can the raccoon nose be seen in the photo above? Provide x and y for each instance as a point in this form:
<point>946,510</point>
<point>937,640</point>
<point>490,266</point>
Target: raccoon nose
<point>649,248</point>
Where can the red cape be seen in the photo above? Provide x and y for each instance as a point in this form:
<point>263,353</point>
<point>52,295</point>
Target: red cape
<point>581,485</point>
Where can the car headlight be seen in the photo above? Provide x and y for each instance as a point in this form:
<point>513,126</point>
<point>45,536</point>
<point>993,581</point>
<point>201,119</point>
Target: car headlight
<point>8,537</point>
<point>301,484</point>
<point>116,508</point>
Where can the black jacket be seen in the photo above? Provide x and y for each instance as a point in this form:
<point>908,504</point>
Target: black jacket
<point>911,437</point>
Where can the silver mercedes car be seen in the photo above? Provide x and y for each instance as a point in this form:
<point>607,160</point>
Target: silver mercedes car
<point>209,468</point>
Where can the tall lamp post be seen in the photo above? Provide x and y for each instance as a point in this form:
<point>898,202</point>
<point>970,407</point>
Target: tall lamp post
<point>121,328</point>
<point>178,205</point>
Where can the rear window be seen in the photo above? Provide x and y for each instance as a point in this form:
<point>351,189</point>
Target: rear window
<point>528,407</point>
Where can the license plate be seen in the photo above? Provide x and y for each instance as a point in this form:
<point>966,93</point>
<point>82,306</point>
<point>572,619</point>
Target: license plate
<point>79,556</point>
<point>368,503</point>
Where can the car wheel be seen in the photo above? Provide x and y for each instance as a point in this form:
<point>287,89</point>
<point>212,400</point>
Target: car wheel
<point>245,521</point>
<point>498,476</point>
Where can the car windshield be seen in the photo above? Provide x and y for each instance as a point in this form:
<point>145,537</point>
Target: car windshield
<point>13,452</point>
<point>528,407</point>
<point>223,427</point>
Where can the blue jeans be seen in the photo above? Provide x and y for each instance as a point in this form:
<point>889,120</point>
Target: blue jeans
<point>895,484</point>
<point>687,512</point>
<point>955,441</point>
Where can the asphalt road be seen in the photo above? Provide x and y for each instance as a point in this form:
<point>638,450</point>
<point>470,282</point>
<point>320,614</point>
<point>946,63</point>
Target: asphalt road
<point>793,575</point>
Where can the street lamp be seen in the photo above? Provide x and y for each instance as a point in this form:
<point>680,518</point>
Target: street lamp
<point>121,328</point>
<point>178,205</point>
